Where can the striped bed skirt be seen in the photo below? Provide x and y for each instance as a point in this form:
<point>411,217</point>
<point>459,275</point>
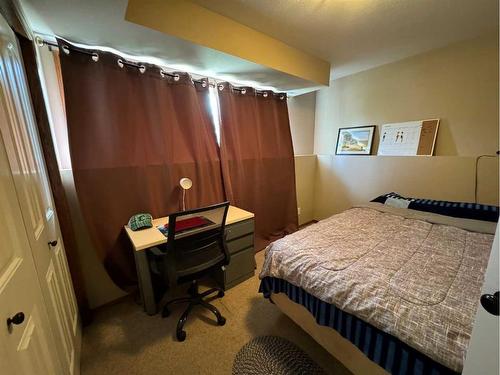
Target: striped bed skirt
<point>387,351</point>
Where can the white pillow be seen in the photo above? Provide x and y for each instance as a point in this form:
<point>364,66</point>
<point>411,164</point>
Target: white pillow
<point>397,202</point>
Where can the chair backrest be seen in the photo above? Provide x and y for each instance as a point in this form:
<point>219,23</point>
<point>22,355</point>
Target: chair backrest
<point>193,232</point>
<point>205,219</point>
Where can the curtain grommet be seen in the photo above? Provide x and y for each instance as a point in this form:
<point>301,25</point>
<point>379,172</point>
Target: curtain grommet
<point>243,91</point>
<point>95,57</point>
<point>38,41</point>
<point>162,73</point>
<point>177,77</point>
<point>220,87</point>
<point>65,49</point>
<point>142,69</point>
<point>203,84</point>
<point>120,63</point>
<point>265,94</point>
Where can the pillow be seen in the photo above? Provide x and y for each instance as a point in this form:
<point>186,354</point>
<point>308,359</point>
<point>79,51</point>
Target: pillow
<point>464,210</point>
<point>393,196</point>
<point>397,202</point>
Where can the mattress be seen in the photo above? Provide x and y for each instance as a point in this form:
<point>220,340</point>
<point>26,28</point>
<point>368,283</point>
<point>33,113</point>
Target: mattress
<point>415,276</point>
<point>387,351</point>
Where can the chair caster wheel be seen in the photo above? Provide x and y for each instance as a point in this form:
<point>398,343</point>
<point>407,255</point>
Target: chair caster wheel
<point>165,313</point>
<point>220,294</point>
<point>221,321</point>
<point>181,335</point>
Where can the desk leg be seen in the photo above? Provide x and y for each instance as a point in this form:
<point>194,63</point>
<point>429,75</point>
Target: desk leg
<point>145,283</point>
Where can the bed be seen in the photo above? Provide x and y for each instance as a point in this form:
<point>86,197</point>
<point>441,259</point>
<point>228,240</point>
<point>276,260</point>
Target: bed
<point>383,288</point>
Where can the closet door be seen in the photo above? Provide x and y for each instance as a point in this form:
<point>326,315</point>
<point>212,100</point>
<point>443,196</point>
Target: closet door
<point>22,144</point>
<point>27,345</point>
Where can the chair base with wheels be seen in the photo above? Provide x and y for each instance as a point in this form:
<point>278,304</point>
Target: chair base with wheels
<point>195,298</point>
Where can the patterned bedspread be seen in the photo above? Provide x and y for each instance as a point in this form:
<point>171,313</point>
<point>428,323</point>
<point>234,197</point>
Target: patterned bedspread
<point>410,274</point>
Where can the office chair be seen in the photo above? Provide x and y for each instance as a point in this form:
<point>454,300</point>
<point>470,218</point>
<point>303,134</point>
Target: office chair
<point>195,247</point>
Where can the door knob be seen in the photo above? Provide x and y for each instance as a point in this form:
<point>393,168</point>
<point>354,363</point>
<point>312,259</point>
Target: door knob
<point>490,303</point>
<point>16,319</point>
<point>53,243</point>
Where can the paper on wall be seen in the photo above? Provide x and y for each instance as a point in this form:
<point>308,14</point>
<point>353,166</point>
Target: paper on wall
<point>400,138</point>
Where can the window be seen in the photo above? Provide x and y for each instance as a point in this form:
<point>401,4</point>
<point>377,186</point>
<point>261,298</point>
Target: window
<point>215,111</point>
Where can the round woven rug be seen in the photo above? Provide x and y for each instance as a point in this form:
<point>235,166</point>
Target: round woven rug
<point>272,355</point>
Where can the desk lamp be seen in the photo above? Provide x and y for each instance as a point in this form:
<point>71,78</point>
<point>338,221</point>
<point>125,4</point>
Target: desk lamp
<point>185,184</point>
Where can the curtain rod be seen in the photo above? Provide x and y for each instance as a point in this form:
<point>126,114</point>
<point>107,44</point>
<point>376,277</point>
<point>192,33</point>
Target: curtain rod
<point>95,56</point>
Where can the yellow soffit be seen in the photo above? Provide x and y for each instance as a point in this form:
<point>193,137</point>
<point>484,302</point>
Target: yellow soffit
<point>201,26</point>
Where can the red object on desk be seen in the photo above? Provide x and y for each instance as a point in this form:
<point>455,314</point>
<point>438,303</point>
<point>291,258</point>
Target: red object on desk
<point>191,223</point>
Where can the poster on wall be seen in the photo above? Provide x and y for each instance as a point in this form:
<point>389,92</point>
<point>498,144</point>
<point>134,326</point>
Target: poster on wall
<point>408,138</point>
<point>355,141</point>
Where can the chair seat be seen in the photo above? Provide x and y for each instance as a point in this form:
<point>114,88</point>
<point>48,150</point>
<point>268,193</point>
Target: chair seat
<point>197,261</point>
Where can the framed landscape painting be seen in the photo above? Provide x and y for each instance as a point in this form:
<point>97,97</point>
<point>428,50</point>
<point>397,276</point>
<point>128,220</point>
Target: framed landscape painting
<point>355,140</point>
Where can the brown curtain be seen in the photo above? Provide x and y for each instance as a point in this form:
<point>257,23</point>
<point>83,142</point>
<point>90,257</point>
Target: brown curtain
<point>257,159</point>
<point>60,199</point>
<point>132,136</point>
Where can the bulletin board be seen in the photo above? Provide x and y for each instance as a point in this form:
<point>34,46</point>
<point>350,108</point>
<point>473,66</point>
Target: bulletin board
<point>410,138</point>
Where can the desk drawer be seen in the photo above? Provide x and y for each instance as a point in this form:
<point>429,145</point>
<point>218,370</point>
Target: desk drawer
<point>240,243</point>
<point>239,229</point>
<point>241,267</point>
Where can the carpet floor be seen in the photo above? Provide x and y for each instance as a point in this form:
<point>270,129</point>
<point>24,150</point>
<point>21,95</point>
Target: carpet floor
<point>124,340</point>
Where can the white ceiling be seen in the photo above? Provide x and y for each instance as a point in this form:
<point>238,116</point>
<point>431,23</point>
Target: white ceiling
<point>102,23</point>
<point>356,35</point>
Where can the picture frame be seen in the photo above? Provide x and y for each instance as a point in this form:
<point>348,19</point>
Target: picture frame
<point>355,140</point>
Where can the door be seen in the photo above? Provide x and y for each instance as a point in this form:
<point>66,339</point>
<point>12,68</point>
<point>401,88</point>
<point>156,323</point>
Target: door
<point>483,352</point>
<point>22,145</point>
<point>26,345</point>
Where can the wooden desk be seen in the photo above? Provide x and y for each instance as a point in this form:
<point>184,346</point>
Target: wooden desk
<point>146,238</point>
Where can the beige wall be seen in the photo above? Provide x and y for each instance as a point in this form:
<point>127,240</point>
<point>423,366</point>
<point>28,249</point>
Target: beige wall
<point>305,178</point>
<point>342,182</point>
<point>458,84</point>
<point>301,110</point>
